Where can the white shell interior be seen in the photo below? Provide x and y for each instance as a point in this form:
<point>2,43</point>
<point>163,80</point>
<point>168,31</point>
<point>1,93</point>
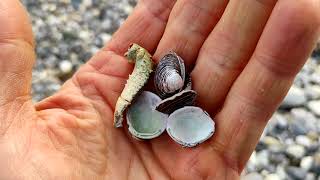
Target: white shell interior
<point>143,120</point>
<point>173,82</point>
<point>190,126</point>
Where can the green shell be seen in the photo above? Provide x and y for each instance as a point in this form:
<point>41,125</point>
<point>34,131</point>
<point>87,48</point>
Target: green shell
<point>139,77</point>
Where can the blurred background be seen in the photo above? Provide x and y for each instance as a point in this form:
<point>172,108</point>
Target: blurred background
<point>69,32</point>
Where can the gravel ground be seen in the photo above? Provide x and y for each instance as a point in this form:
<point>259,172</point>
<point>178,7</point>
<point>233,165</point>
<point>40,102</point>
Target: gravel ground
<point>69,32</point>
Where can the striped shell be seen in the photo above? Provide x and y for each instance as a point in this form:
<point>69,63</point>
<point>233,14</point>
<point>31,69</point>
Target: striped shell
<point>177,101</point>
<point>170,75</point>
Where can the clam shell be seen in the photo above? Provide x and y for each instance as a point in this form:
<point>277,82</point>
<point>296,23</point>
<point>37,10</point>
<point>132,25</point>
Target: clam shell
<point>177,101</point>
<point>188,83</point>
<point>170,75</point>
<point>143,120</point>
<point>190,126</point>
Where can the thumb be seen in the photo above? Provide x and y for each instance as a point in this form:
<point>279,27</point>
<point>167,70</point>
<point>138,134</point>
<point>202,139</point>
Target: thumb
<point>16,52</point>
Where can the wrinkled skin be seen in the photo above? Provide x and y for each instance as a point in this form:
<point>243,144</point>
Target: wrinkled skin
<point>245,56</point>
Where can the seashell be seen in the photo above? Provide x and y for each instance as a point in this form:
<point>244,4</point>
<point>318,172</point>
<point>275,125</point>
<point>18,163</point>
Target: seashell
<point>177,101</point>
<point>188,83</point>
<point>170,75</point>
<point>139,77</point>
<point>190,126</point>
<point>143,120</point>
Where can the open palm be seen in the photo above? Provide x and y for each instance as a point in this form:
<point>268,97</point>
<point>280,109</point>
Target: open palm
<point>243,56</point>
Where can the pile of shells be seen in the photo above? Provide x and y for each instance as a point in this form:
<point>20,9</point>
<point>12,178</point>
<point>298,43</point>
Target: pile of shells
<point>171,109</point>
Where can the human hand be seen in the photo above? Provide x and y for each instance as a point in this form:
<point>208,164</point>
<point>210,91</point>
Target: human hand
<point>243,67</point>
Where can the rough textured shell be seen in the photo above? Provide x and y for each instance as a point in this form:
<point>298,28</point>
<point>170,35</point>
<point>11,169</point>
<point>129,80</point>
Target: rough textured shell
<point>143,120</point>
<point>170,75</point>
<point>179,100</point>
<point>139,77</point>
<point>190,126</point>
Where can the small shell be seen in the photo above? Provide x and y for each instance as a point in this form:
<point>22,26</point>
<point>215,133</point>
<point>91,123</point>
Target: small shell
<point>170,75</point>
<point>143,120</point>
<point>177,101</point>
<point>190,126</point>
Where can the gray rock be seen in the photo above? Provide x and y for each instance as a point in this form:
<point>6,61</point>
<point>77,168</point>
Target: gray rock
<point>295,97</point>
<point>310,176</point>
<point>296,173</point>
<point>302,122</point>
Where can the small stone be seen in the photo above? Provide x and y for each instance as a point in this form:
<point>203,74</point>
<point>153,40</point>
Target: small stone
<point>296,173</point>
<point>252,176</point>
<point>280,171</point>
<point>262,159</point>
<point>272,177</point>
<point>310,176</point>
<point>105,37</point>
<point>306,163</point>
<point>65,66</point>
<point>272,143</point>
<point>295,97</point>
<point>296,151</point>
<point>302,121</point>
<point>313,92</point>
<point>314,106</point>
<point>252,163</point>
<point>316,164</point>
<point>303,140</point>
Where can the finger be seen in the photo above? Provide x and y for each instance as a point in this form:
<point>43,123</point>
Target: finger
<point>189,24</point>
<point>286,42</point>
<point>228,48</point>
<point>145,26</point>
<point>17,52</point>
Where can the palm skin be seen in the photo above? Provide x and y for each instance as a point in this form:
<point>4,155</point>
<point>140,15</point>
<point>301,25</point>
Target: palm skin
<point>70,135</point>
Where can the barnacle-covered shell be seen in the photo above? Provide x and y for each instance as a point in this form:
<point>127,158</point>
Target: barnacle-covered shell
<point>190,126</point>
<point>143,120</point>
<point>139,77</point>
<point>170,75</point>
<point>177,101</point>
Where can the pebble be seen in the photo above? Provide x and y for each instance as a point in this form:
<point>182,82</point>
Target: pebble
<point>310,176</point>
<point>316,164</point>
<point>252,176</point>
<point>65,66</point>
<point>262,160</point>
<point>306,163</point>
<point>302,121</point>
<point>295,97</point>
<point>314,106</point>
<point>296,151</point>
<point>272,177</point>
<point>303,140</point>
<point>296,173</point>
<point>273,144</point>
<point>313,92</point>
